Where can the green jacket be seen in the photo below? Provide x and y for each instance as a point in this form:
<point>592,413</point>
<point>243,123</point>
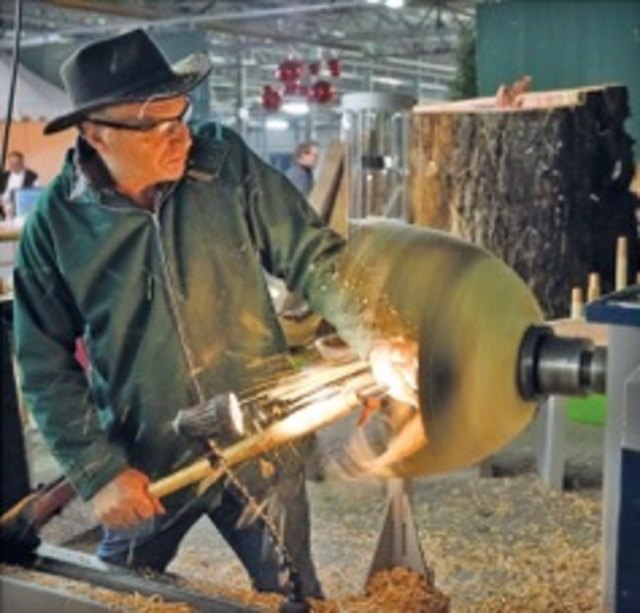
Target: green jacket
<point>172,304</point>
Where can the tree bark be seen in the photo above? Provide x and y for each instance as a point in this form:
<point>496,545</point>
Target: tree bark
<point>543,185</point>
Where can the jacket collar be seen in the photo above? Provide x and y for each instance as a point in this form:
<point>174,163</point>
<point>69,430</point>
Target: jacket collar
<point>208,153</point>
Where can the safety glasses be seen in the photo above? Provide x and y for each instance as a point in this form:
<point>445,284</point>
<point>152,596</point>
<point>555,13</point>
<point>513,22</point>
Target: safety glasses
<point>146,124</point>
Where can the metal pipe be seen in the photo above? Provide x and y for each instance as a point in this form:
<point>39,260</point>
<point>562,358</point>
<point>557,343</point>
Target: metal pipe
<point>17,31</point>
<point>84,567</point>
<point>550,364</point>
<point>193,20</point>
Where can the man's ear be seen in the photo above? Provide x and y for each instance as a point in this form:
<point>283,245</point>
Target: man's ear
<point>94,135</point>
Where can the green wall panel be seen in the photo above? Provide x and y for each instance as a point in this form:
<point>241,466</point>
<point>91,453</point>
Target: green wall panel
<point>562,44</point>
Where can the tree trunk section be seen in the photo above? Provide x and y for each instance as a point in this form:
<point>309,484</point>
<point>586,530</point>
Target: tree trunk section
<point>543,185</point>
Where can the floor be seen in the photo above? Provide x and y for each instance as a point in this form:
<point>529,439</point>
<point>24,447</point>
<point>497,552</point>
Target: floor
<point>498,543</point>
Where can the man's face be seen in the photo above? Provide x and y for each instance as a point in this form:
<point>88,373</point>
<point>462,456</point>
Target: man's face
<point>15,163</point>
<point>309,158</point>
<point>142,157</point>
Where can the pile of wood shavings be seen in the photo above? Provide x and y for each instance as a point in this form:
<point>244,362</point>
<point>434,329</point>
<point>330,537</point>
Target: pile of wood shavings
<point>147,604</point>
<point>549,577</point>
<point>537,552</point>
<point>398,589</point>
<point>262,601</point>
<point>393,591</point>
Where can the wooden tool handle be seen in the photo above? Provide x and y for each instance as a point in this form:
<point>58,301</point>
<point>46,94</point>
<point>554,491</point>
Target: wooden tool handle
<point>298,424</point>
<point>294,426</point>
<point>40,506</point>
<point>182,478</point>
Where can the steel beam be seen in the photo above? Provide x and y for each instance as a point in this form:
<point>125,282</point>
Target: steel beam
<point>21,596</point>
<point>84,567</point>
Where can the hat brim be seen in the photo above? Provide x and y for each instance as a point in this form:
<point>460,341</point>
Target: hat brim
<point>187,74</point>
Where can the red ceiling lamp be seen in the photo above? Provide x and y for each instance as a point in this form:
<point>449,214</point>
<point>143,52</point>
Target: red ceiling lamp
<point>334,66</point>
<point>314,68</point>
<point>300,82</point>
<point>289,71</point>
<point>322,92</point>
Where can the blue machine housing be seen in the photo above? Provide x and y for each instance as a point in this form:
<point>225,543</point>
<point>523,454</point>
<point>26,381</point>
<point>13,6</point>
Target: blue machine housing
<point>621,495</point>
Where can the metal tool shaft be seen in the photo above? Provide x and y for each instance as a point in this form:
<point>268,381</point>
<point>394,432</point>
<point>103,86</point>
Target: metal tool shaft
<point>550,364</point>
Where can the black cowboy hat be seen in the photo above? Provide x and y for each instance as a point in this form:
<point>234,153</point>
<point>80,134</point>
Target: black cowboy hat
<point>128,67</point>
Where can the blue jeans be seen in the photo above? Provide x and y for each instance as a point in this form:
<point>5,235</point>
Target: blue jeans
<point>154,543</point>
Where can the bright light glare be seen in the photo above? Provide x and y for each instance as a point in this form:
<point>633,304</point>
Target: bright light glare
<point>397,371</point>
<point>388,80</point>
<point>276,124</point>
<point>394,4</point>
<point>296,107</point>
<point>235,412</point>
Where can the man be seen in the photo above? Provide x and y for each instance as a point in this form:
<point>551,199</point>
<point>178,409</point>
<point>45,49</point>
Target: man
<point>300,173</point>
<point>150,245</point>
<point>17,176</point>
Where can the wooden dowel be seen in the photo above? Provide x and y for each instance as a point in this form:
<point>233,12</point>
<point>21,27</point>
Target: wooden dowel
<point>593,287</point>
<point>621,262</point>
<point>577,303</point>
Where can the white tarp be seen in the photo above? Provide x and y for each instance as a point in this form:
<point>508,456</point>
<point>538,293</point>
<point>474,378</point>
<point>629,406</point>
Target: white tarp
<point>35,98</point>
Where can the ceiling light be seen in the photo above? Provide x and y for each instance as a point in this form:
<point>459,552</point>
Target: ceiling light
<point>394,4</point>
<point>277,124</point>
<point>295,107</point>
<point>388,80</point>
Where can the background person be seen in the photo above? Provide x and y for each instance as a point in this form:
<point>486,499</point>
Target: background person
<point>300,173</point>
<point>16,176</point>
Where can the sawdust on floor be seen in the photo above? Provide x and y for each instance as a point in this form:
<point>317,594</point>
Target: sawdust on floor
<point>495,544</point>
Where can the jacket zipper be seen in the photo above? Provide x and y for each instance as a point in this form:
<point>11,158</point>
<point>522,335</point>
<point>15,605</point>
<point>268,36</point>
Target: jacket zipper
<point>166,273</point>
<point>172,293</point>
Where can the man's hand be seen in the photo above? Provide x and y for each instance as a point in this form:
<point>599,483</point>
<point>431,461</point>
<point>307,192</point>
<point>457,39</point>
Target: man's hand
<point>394,364</point>
<point>126,501</point>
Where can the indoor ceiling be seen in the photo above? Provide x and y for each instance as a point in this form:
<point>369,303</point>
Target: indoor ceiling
<point>407,50</point>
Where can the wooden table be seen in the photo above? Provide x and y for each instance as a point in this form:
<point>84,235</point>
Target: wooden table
<point>10,231</point>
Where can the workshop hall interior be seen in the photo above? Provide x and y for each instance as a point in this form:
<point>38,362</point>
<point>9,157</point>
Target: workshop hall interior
<point>325,306</point>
